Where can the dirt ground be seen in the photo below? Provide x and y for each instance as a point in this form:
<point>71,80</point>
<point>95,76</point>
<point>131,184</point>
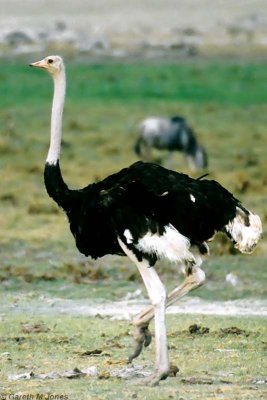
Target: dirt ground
<point>125,309</point>
<point>121,15</point>
<point>122,24</point>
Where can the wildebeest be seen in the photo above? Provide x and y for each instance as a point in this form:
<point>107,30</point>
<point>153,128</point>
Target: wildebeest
<point>172,134</point>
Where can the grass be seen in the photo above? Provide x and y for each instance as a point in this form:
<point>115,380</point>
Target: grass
<point>198,83</point>
<point>217,364</point>
<point>225,103</point>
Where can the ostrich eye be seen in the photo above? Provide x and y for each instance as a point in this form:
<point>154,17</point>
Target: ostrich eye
<point>50,61</point>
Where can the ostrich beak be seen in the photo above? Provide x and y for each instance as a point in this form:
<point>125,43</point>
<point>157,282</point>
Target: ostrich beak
<point>39,64</point>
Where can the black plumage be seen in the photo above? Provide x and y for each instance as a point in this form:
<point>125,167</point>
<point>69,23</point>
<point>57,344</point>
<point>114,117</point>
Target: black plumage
<point>143,198</point>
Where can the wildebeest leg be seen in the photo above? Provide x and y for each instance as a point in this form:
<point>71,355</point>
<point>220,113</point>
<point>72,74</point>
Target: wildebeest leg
<point>190,162</point>
<point>146,152</point>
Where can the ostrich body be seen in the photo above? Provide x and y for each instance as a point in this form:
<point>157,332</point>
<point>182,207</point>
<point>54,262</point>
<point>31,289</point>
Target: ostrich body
<point>147,213</point>
<point>172,134</point>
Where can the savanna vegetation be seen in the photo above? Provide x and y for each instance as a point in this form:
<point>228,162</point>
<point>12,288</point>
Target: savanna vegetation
<point>225,102</point>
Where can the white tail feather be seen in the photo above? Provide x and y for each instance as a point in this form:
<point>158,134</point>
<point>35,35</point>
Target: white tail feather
<point>245,230</point>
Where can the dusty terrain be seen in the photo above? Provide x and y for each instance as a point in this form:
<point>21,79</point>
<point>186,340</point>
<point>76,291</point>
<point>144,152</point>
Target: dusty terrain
<point>117,27</point>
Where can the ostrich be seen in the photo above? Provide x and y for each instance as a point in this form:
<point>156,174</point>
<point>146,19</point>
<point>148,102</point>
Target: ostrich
<point>172,134</point>
<point>146,212</point>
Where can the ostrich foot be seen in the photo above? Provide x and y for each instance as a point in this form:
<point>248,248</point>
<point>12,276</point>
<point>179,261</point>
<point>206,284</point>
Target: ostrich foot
<point>142,337</point>
<point>152,380</point>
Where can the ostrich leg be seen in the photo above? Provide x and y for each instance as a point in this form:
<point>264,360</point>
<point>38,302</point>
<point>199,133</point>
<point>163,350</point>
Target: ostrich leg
<point>195,277</point>
<point>157,294</point>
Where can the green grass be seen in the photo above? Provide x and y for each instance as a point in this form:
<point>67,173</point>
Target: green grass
<point>226,105</point>
<point>201,82</point>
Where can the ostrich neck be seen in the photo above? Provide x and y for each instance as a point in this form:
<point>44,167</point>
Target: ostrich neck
<point>55,185</point>
<point>56,118</point>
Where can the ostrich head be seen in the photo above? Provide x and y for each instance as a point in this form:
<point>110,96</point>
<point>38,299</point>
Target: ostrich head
<point>52,64</point>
